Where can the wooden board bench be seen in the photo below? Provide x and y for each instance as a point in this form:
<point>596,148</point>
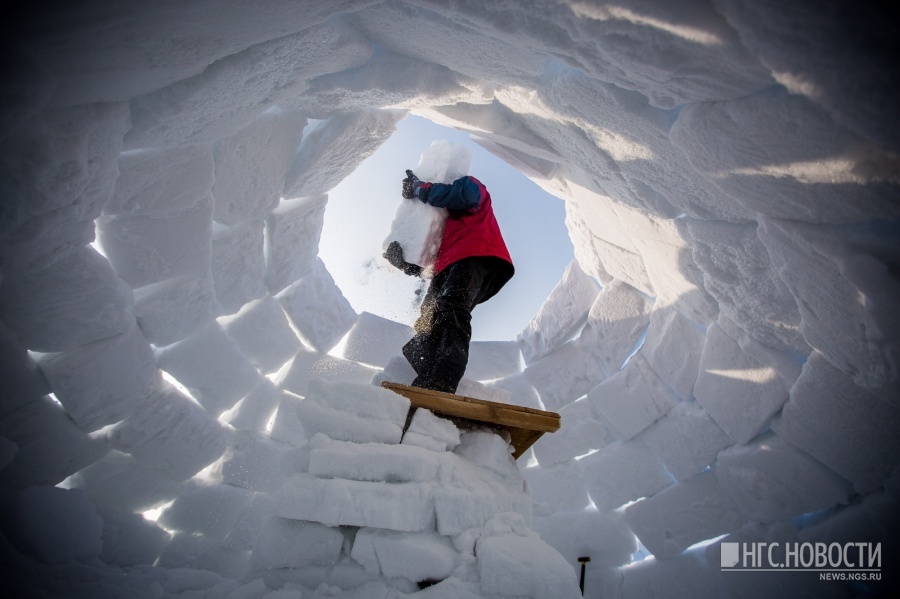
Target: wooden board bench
<point>524,425</point>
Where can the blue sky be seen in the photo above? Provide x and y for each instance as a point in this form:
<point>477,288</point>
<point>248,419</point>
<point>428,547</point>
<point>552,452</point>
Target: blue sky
<point>359,214</point>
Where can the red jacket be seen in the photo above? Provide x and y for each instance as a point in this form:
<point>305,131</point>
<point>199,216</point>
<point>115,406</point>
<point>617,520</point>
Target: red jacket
<point>471,228</point>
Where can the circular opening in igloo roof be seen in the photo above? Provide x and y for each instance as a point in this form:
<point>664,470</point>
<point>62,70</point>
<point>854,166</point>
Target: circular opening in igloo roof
<point>360,210</point>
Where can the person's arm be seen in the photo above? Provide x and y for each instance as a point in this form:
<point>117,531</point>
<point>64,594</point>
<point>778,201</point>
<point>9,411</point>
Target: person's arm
<point>462,194</point>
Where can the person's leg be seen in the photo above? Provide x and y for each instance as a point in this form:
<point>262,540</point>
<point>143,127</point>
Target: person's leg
<point>466,284</point>
<point>419,351</point>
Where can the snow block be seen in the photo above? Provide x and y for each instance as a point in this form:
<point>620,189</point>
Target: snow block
<point>557,488</point>
<point>739,393</point>
<point>211,367</point>
<point>745,283</point>
<point>229,93</point>
<point>604,537</point>
<point>472,502</point>
<point>841,425</point>
<point>431,432</point>
<point>316,417</point>
<point>20,378</point>
<point>293,230</point>
<point>564,375</point>
<point>770,480</point>
<point>162,180</point>
<point>286,425</point>
<point>684,514</point>
<point>145,249</point>
<point>686,440</point>
<point>238,264</point>
<point>332,149</point>
<point>490,451</point>
<point>252,462</point>
<point>580,433</point>
<point>469,388</point>
<point>262,332</point>
<point>364,400</point>
<point>622,472</point>
<point>521,392</point>
<point>76,300</point>
<point>490,360</point>
<point>414,556</point>
<point>617,318</point>
<point>120,482</point>
<point>524,566</point>
<point>171,432</point>
<point>318,310</point>
<point>253,412</point>
<point>284,543</point>
<point>131,539</point>
<point>405,507</point>
<point>374,340</point>
<point>371,461</point>
<point>558,319</point>
<point>631,400</point>
<point>53,525</point>
<point>684,575</point>
<point>50,445</point>
<point>672,348</point>
<point>307,365</point>
<point>251,165</point>
<point>103,382</point>
<point>828,269</point>
<point>176,308</point>
<point>210,510</point>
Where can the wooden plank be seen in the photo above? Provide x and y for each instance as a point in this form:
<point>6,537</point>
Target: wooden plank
<point>525,425</point>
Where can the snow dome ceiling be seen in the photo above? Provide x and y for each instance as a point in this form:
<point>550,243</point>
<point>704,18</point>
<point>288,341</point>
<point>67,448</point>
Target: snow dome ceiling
<point>730,175</point>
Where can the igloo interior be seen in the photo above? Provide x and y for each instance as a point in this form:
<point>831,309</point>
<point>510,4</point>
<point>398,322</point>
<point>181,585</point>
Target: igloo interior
<point>723,350</point>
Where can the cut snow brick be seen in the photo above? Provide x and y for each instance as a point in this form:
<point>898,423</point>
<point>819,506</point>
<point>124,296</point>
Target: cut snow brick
<point>604,537</point>
<point>286,425</point>
<point>50,445</point>
<point>172,432</point>
<point>407,507</point>
<point>317,308</point>
<point>103,382</point>
<point>251,165</point>
<point>521,392</point>
<point>431,432</point>
<point>686,439</point>
<point>146,249</point>
<point>631,400</point>
<point>293,230</point>
<point>842,425</point>
<point>770,480</point>
<point>212,511</point>
<point>565,375</point>
<point>333,149</point>
<point>371,461</point>
<point>53,525</point>
<point>739,393</point>
<point>557,488</point>
<point>253,412</point>
<point>375,340</point>
<point>524,566</point>
<point>672,348</point>
<point>414,556</point>
<point>238,264</point>
<point>684,514</point>
<point>490,360</point>
<point>130,539</point>
<point>76,300</point>
<point>579,434</point>
<point>622,472</point>
<point>20,378</point>
<point>161,180</point>
<point>284,543</point>
<point>560,316</point>
<point>252,462</point>
<point>617,319</point>
<point>211,367</point>
<point>262,332</point>
<point>307,365</point>
<point>173,309</point>
<point>345,426</point>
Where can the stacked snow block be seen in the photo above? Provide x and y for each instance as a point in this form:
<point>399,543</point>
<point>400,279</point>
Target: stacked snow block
<point>436,505</point>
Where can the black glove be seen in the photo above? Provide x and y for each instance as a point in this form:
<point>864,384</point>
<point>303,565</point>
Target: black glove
<point>394,255</point>
<point>409,185</point>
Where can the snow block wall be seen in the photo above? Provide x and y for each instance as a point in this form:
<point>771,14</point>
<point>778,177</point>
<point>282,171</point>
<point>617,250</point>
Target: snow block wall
<point>723,351</point>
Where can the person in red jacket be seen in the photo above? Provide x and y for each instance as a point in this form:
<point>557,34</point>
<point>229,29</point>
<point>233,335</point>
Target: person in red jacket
<point>472,265</point>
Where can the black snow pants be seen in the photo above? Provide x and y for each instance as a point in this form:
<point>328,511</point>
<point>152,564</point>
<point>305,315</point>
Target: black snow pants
<point>439,351</point>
